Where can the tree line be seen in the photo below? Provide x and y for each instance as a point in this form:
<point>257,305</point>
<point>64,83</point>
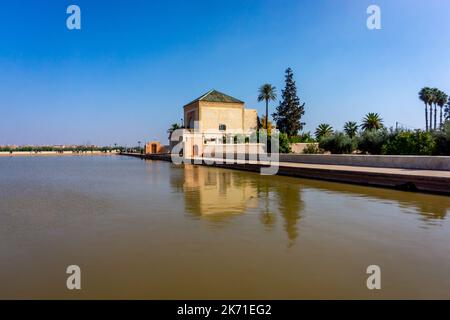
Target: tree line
<point>437,98</point>
<point>59,149</point>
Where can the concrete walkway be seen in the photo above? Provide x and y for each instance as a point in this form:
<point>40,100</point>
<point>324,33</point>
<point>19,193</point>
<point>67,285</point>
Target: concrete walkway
<point>404,179</point>
<point>434,181</point>
<point>356,169</point>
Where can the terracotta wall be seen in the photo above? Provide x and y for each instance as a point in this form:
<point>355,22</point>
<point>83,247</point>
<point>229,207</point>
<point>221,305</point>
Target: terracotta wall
<point>155,147</point>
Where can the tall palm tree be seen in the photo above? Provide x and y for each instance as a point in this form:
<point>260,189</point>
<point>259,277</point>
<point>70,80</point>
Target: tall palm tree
<point>323,129</point>
<point>435,96</point>
<point>351,128</point>
<point>430,103</point>
<point>441,100</point>
<point>172,128</point>
<point>267,93</point>
<point>372,121</point>
<point>425,97</point>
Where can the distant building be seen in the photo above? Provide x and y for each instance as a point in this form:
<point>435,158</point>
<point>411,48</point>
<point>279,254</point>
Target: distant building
<point>155,147</point>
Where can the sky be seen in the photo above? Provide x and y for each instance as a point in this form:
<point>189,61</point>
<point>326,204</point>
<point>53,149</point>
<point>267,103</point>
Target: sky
<point>126,74</point>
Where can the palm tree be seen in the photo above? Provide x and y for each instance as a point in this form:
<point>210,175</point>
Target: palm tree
<point>435,95</point>
<point>351,128</point>
<point>441,100</point>
<point>372,121</point>
<point>425,97</point>
<point>267,93</point>
<point>173,127</point>
<point>324,129</point>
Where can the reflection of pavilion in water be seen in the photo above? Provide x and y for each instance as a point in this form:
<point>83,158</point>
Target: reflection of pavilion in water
<point>218,194</point>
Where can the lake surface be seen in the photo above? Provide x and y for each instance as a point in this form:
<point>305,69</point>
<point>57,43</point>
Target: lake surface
<point>146,229</point>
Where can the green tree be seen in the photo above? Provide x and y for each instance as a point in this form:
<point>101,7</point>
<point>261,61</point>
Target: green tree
<point>267,93</point>
<point>289,113</point>
<point>442,139</point>
<point>425,95</point>
<point>409,143</point>
<point>351,128</point>
<point>323,130</point>
<point>372,121</point>
<point>338,143</point>
<point>284,144</point>
<point>372,141</point>
<point>441,100</point>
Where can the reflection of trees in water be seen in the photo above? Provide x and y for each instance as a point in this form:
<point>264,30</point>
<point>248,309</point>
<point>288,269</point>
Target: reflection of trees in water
<point>220,194</point>
<point>267,216</point>
<point>290,205</point>
<point>429,206</point>
<point>287,201</point>
<point>433,211</point>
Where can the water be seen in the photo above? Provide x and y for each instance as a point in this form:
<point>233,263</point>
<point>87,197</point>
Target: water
<point>143,229</point>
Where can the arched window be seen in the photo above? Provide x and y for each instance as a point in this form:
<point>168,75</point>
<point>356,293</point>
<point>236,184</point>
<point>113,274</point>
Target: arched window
<point>222,127</point>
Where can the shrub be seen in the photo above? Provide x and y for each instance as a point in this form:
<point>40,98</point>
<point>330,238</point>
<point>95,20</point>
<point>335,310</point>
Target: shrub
<point>284,144</point>
<point>442,140</point>
<point>312,148</point>
<point>337,143</point>
<point>410,143</point>
<point>239,138</point>
<point>372,141</point>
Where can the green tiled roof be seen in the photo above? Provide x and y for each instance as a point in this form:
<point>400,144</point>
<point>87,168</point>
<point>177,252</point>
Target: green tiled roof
<point>216,96</point>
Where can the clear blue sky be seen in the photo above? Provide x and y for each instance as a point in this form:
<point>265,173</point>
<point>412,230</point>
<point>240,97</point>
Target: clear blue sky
<point>126,75</point>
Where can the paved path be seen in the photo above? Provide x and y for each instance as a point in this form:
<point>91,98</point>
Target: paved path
<point>424,173</point>
<point>405,179</point>
<point>358,169</point>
